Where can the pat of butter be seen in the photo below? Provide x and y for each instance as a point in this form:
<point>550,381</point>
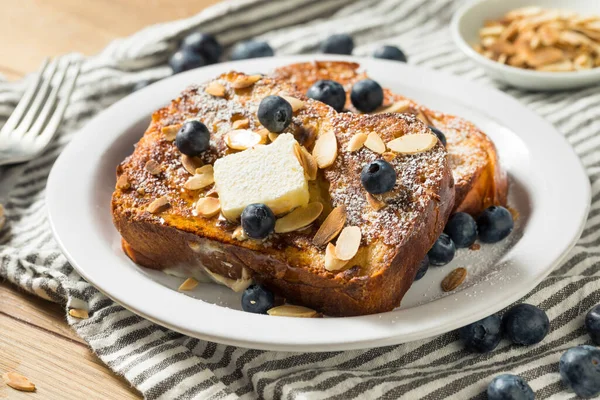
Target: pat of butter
<point>269,174</point>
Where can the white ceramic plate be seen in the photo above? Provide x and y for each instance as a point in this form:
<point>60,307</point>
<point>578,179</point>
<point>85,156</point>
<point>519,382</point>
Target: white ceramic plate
<point>548,188</point>
<point>470,18</point>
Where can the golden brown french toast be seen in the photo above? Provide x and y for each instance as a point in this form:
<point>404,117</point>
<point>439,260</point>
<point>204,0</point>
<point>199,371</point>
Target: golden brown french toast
<point>479,179</point>
<point>161,229</point>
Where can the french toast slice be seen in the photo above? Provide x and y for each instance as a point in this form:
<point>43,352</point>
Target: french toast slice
<point>479,179</point>
<point>394,239</point>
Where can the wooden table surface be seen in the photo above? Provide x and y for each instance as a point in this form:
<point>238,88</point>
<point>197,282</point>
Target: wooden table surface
<point>35,339</point>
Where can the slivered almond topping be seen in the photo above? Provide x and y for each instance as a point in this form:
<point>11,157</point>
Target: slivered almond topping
<point>348,243</point>
<point>331,226</point>
<point>374,202</point>
<point>188,284</point>
<point>244,81</point>
<point>215,89</point>
<point>170,131</point>
<point>563,66</point>
<point>205,169</point>
<point>239,234</point>
<point>388,156</point>
<point>208,207</point>
<point>200,180</point>
<point>212,192</point>
<point>153,167</point>
<point>374,143</point>
<point>240,124</point>
<point>288,310</point>
<point>296,104</point>
<point>357,141</point>
<point>413,144</point>
<point>398,107</point>
<point>158,205</point>
<point>325,150</point>
<point>123,182</point>
<point>332,263</point>
<point>454,279</point>
<point>299,218</point>
<point>307,161</point>
<point>191,164</point>
<point>242,139</point>
<point>18,382</point>
<point>78,313</point>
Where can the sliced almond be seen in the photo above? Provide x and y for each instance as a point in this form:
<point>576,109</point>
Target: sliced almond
<point>331,226</point>
<point>205,169</point>
<point>215,89</point>
<point>374,143</point>
<point>299,218</point>
<point>158,205</point>
<point>348,243</point>
<point>208,207</point>
<point>307,161</point>
<point>296,104</point>
<point>388,156</point>
<point>288,310</point>
<point>544,56</point>
<point>244,81</point>
<point>240,124</point>
<point>413,144</point>
<point>212,192</point>
<point>79,313</point>
<point>325,150</point>
<point>153,167</point>
<point>123,182</point>
<point>170,131</point>
<point>374,202</point>
<point>242,139</point>
<point>398,107</point>
<point>454,279</point>
<point>188,284</point>
<point>18,382</point>
<point>357,141</point>
<point>191,164</point>
<point>239,234</point>
<point>272,136</point>
<point>562,66</point>
<point>494,30</point>
<point>203,177</point>
<point>332,263</point>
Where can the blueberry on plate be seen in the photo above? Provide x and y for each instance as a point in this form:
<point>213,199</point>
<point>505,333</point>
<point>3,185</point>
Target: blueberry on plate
<point>423,267</point>
<point>192,138</point>
<point>390,53</point>
<point>204,44</point>
<point>378,177</point>
<point>443,251</point>
<point>275,113</point>
<point>328,92</point>
<point>338,44</point>
<point>462,229</point>
<point>580,370</point>
<point>366,95</point>
<point>509,387</point>
<point>439,134</point>
<point>184,60</point>
<point>258,221</point>
<point>482,336</point>
<point>592,324</point>
<point>525,324</point>
<point>257,299</point>
<point>494,224</point>
<point>250,49</point>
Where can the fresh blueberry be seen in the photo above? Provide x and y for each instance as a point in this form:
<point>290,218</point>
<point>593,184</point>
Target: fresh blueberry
<point>390,53</point>
<point>204,44</point>
<point>193,138</point>
<point>141,85</point>
<point>329,92</point>
<point>482,336</point>
<point>462,229</point>
<point>378,177</point>
<point>526,324</point>
<point>366,95</point>
<point>580,370</point>
<point>338,44</point>
<point>443,251</point>
<point>423,267</point>
<point>250,49</point>
<point>275,113</point>
<point>592,324</point>
<point>184,60</point>
<point>257,299</point>
<point>509,387</point>
<point>258,221</point>
<point>494,224</point>
<point>439,134</point>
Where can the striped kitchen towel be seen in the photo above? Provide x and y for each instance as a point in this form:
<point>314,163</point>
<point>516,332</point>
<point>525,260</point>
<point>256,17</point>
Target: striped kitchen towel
<point>164,364</point>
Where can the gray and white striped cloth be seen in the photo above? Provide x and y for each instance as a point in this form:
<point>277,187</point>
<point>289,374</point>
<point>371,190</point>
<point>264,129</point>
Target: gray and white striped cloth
<point>164,364</point>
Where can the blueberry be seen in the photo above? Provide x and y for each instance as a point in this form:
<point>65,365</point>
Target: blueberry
<point>141,85</point>
<point>423,267</point>
<point>258,221</point>
<point>378,177</point>
<point>592,324</point>
<point>482,336</point>
<point>184,60</point>
<point>329,92</point>
<point>275,113</point>
<point>193,138</point>
<point>580,369</point>
<point>443,251</point>
<point>439,134</point>
<point>494,224</point>
<point>366,95</point>
<point>250,49</point>
<point>509,387</point>
<point>338,44</point>
<point>257,299</point>
<point>204,44</point>
<point>390,53</point>
<point>526,324</point>
<point>462,229</point>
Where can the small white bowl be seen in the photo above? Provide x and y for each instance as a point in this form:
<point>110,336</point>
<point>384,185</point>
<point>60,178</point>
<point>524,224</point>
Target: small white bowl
<point>470,18</point>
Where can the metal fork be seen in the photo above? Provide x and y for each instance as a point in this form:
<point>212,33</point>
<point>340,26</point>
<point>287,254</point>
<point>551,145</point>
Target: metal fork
<point>34,122</point>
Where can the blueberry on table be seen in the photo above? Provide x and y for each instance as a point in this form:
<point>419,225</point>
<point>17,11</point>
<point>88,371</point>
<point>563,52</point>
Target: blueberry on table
<point>592,324</point>
<point>192,138</point>
<point>390,53</point>
<point>494,224</point>
<point>258,221</point>
<point>443,251</point>
<point>275,113</point>
<point>204,44</point>
<point>338,44</point>
<point>462,229</point>
<point>423,267</point>
<point>440,135</point>
<point>378,177</point>
<point>250,49</point>
<point>184,60</point>
<point>509,387</point>
<point>328,92</point>
<point>366,95</point>
<point>525,324</point>
<point>257,299</point>
<point>580,370</point>
<point>482,336</point>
